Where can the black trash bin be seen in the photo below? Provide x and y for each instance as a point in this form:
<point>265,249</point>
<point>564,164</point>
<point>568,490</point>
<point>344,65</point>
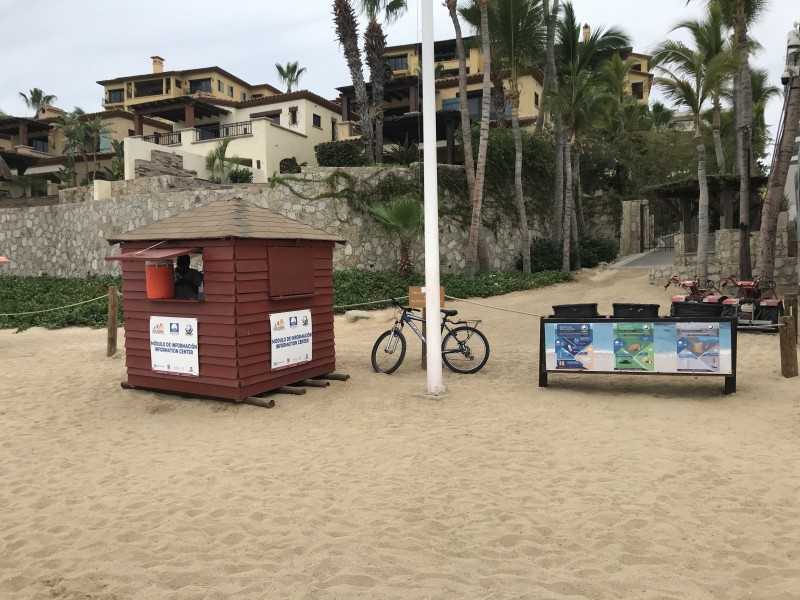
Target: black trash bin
<point>696,309</point>
<point>644,311</point>
<point>570,311</point>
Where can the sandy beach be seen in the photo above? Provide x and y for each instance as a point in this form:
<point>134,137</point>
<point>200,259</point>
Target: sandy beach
<point>600,487</point>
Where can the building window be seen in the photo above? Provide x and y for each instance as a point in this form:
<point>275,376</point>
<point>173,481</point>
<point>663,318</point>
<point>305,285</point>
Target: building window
<point>199,85</point>
<point>637,91</point>
<point>293,116</point>
<point>220,86</point>
<point>105,142</point>
<point>230,91</point>
<point>38,145</point>
<point>243,96</point>
<point>131,133</point>
<point>115,96</point>
<point>149,88</point>
<point>168,88</point>
<point>535,99</point>
<point>178,83</point>
<point>636,67</point>
<point>316,121</point>
<point>398,63</point>
<point>334,130</point>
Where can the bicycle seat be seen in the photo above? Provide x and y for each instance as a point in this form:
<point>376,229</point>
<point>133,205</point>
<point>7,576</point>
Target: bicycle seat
<point>448,312</point>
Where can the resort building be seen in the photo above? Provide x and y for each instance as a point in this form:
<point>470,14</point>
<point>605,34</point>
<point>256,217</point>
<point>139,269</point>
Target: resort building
<point>402,97</point>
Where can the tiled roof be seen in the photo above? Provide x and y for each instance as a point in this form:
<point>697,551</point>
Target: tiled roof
<point>226,218</point>
<point>184,73</point>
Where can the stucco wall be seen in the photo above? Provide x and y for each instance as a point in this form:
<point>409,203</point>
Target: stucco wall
<point>69,240</point>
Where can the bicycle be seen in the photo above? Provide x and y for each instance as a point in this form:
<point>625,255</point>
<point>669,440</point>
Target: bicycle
<point>464,349</point>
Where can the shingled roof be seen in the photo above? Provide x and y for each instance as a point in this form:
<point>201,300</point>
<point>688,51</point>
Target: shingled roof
<point>226,218</point>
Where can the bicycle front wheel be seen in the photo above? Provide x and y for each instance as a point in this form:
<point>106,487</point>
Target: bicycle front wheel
<point>465,350</point>
<point>389,351</point>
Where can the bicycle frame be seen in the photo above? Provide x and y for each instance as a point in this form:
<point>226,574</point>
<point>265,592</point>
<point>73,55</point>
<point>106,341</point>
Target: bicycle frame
<point>408,318</point>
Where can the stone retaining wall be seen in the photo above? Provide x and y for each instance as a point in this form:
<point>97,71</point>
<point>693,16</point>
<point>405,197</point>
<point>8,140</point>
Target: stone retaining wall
<point>69,240</point>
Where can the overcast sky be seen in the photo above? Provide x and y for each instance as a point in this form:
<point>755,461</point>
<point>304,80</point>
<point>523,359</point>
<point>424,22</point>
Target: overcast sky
<point>65,47</point>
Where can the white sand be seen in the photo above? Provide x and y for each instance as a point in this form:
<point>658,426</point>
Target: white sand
<point>597,487</point>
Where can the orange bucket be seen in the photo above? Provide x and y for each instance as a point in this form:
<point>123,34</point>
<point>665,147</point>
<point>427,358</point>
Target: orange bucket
<point>159,279</point>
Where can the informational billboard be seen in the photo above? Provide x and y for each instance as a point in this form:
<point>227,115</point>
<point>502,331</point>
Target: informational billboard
<point>173,346</point>
<point>647,347</point>
<point>291,338</point>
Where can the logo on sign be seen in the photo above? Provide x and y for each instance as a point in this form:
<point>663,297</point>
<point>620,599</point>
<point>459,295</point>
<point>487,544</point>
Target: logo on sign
<point>279,325</point>
<point>158,328</point>
<point>292,322</point>
<point>305,320</point>
<point>174,328</point>
<point>188,330</point>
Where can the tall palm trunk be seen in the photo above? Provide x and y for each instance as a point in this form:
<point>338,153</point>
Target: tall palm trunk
<point>777,183</point>
<point>566,236</point>
<point>466,132</point>
<point>483,142</point>
<point>499,97</point>
<point>746,131</point>
<point>347,34</point>
<point>550,84</point>
<point>576,177</point>
<point>557,224</point>
<point>702,209</point>
<point>525,234</point>
<point>715,125</point>
<point>375,50</point>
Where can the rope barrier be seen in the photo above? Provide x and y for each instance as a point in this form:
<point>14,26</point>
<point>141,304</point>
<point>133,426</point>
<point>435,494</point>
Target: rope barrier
<point>387,301</point>
<point>38,312</point>
<point>511,310</point>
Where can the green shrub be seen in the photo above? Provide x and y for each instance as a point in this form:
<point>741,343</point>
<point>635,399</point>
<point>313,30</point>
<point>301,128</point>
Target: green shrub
<point>339,154</point>
<point>593,251</point>
<point>545,256</point>
<point>28,294</point>
<point>358,286</point>
<point>240,175</point>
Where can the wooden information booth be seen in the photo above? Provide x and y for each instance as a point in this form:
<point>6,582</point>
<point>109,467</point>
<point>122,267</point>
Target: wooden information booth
<point>265,319</point>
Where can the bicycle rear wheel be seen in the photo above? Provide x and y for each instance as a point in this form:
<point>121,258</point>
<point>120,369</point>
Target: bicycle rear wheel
<point>389,351</point>
<point>465,350</point>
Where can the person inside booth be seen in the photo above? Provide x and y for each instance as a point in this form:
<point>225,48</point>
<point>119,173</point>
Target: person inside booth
<point>187,280</point>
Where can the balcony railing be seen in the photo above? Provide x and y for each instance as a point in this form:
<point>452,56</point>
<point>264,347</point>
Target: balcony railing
<point>215,132</point>
<point>164,139</point>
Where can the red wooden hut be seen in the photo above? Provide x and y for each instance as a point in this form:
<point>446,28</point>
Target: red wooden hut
<point>266,318</point>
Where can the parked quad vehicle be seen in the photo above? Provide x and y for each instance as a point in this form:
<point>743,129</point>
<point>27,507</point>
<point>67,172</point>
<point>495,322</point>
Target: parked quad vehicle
<point>754,303</point>
<point>695,293</point>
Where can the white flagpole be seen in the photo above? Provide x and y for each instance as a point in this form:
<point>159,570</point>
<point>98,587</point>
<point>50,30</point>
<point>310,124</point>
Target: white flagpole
<point>435,384</point>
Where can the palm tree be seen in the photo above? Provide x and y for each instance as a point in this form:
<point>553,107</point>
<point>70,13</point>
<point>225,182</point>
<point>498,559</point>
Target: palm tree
<point>375,52</point>
<point>117,169</point>
<point>483,141</point>
<point>290,74</point>
<point>403,218</point>
<point>36,99</point>
<point>550,83</point>
<point>517,45</point>
<point>740,14</point>
<point>688,79</point>
<point>218,164</point>
<point>777,179</point>
<point>709,36</point>
<point>661,117</point>
<point>347,34</point>
<point>70,126</point>
<point>578,102</point>
<point>94,132</point>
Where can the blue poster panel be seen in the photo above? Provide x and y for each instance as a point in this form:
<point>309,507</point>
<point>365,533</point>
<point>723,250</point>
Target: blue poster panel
<point>645,347</point>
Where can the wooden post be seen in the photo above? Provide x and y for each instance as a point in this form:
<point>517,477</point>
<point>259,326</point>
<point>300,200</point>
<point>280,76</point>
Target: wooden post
<point>113,324</point>
<point>788,347</point>
<point>790,309</point>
